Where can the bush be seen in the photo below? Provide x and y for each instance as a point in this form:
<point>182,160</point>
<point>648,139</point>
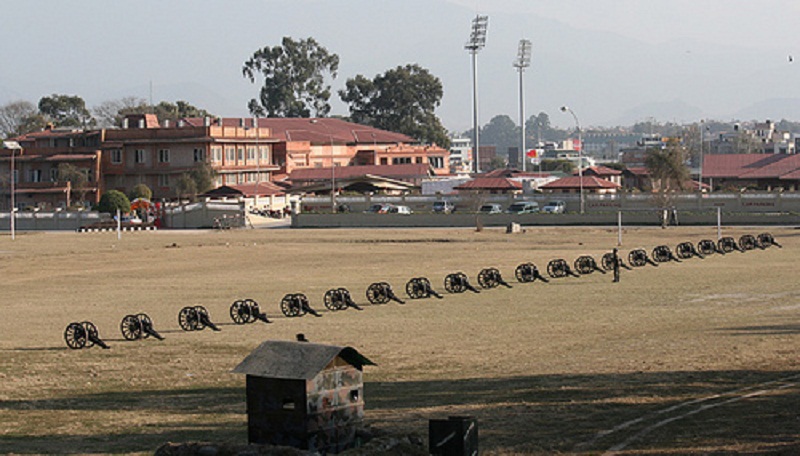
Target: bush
<point>113,200</point>
<point>141,191</point>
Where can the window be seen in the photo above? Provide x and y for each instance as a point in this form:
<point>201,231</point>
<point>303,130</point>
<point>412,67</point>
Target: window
<point>163,180</point>
<point>251,154</point>
<point>116,156</point>
<point>240,155</point>
<point>436,162</point>
<point>230,156</point>
<point>216,154</point>
<point>36,175</point>
<point>264,150</point>
<point>163,155</point>
<point>140,156</point>
<point>53,174</point>
<point>401,160</point>
<point>419,160</point>
<point>384,161</point>
<point>199,155</point>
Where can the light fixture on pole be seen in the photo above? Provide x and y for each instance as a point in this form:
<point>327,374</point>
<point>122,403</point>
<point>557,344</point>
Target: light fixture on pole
<point>13,146</point>
<point>477,40</point>
<point>333,165</point>
<point>580,149</point>
<point>523,61</point>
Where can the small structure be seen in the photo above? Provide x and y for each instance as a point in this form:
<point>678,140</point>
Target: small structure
<point>304,395</point>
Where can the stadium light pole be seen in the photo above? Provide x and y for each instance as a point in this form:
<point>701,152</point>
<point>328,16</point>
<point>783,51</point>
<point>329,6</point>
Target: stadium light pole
<point>13,146</point>
<point>523,61</point>
<point>477,40</point>
<point>580,150</point>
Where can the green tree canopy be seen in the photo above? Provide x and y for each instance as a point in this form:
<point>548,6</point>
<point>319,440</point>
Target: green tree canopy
<point>199,179</point>
<point>66,111</point>
<point>113,200</point>
<point>111,113</point>
<point>402,100</point>
<point>502,133</point>
<point>667,168</point>
<point>294,79</point>
<point>140,191</point>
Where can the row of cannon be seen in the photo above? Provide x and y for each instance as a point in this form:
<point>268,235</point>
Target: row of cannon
<point>245,311</point>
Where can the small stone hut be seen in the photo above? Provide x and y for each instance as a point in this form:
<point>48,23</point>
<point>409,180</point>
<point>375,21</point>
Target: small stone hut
<point>304,395</point>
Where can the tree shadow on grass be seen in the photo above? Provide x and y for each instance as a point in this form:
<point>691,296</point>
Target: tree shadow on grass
<point>724,411</point>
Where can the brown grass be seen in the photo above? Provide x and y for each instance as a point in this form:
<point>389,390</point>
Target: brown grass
<point>546,368</point>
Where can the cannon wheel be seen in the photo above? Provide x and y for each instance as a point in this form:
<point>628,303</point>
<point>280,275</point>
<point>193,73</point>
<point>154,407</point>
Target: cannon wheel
<point>766,239</point>
<point>187,319</point>
<point>144,322</point>
<point>684,250</point>
<point>454,283</point>
<point>747,242</point>
<point>290,306</point>
<point>240,312</point>
<point>706,247</point>
<point>637,258</point>
<point>345,294</point>
<point>131,327</point>
<point>726,244</point>
<point>75,336</point>
<point>557,269</point>
<point>376,293</point>
<point>200,310</point>
<point>524,273</point>
<point>487,278</point>
<point>608,261</point>
<point>333,299</point>
<point>91,333</point>
<point>414,289</point>
<point>253,310</point>
<point>584,264</point>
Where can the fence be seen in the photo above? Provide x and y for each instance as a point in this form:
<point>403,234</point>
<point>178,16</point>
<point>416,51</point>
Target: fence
<point>51,221</point>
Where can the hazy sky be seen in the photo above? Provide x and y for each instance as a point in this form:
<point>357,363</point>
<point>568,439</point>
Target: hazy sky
<point>612,61</point>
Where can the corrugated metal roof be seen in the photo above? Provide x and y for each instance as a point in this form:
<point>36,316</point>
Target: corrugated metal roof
<point>291,360</point>
<point>490,183</point>
<point>589,182</point>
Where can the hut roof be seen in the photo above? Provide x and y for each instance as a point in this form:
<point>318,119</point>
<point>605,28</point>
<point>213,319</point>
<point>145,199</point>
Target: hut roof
<point>296,360</point>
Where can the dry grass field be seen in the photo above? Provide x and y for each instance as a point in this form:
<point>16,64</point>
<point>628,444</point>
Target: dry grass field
<point>697,357</point>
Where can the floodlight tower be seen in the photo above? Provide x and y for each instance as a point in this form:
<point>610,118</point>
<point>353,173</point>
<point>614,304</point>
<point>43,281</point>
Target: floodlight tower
<point>477,40</point>
<point>523,61</point>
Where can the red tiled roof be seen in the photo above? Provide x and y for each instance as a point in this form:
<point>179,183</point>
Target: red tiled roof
<point>589,182</point>
<point>317,130</point>
<point>778,168</point>
<point>794,175</point>
<point>601,171</point>
<point>408,171</point>
<point>490,183</point>
<point>734,165</point>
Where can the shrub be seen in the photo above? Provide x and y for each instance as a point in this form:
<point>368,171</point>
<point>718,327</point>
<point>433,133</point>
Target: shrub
<point>113,200</point>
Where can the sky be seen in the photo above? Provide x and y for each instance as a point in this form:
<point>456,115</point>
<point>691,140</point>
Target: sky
<point>614,62</point>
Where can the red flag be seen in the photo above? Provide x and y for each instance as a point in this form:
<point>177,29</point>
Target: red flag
<point>533,153</point>
<point>576,144</point>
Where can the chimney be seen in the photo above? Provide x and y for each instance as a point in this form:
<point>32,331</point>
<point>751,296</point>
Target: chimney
<point>141,123</point>
<point>166,123</point>
<point>207,121</point>
<point>180,123</point>
<point>125,123</point>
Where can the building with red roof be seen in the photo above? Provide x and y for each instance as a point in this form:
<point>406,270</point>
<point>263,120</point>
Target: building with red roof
<point>591,184</point>
<point>759,171</point>
<point>492,185</point>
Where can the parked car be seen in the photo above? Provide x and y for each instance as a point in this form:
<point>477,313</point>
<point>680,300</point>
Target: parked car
<point>403,210</point>
<point>524,207</point>
<point>378,209</point>
<point>491,209</point>
<point>443,207</point>
<point>554,207</point>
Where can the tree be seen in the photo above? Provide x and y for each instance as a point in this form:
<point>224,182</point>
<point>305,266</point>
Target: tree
<point>294,79</point>
<point>668,171</point>
<point>501,132</point>
<point>110,113</point>
<point>199,179</point>
<point>140,191</point>
<point>564,166</point>
<point>496,163</point>
<point>66,111</point>
<point>402,100</point>
<point>18,118</point>
<point>168,111</point>
<point>76,177</point>
<point>113,200</point>
<point>186,188</point>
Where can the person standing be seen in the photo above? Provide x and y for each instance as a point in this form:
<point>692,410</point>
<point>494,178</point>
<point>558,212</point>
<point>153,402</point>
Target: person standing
<point>615,262</point>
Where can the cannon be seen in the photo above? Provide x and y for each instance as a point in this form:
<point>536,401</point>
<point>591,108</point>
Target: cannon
<point>458,282</point>
<point>749,242</point>
<point>663,254</point>
<point>639,258</point>
<point>195,319</point>
<point>766,240</point>
<point>339,299</point>
<point>559,268</point>
<point>381,293</point>
<point>245,311</point>
<point>608,262</point>
<point>139,326</point>
<point>728,245</point>
<point>528,272</point>
<point>420,288</point>
<point>83,335</point>
<point>296,305</point>
<point>491,278</point>
<point>585,264</point>
<point>708,247</point>
<point>686,250</point>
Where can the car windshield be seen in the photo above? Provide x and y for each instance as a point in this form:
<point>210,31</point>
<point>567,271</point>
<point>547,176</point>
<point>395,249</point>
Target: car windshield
<point>516,207</point>
<point>487,208</point>
<point>554,203</point>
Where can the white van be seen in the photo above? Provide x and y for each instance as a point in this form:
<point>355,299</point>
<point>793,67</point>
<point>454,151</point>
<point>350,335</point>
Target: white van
<point>523,207</point>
